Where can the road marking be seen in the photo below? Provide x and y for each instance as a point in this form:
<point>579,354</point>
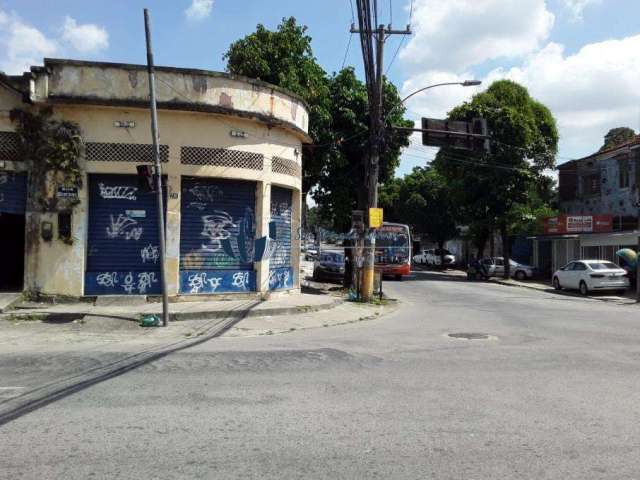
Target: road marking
<point>8,392</point>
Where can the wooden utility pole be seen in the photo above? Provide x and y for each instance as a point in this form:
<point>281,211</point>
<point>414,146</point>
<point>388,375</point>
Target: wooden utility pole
<point>376,133</point>
<point>158,169</point>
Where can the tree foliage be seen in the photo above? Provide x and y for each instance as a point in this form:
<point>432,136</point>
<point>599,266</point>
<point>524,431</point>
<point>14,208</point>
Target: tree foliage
<point>284,57</point>
<point>494,189</point>
<point>342,182</point>
<point>423,200</point>
<point>51,148</point>
<point>338,119</point>
<point>617,136</point>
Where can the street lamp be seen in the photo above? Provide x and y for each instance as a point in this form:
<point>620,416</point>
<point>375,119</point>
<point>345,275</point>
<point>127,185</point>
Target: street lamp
<point>466,83</point>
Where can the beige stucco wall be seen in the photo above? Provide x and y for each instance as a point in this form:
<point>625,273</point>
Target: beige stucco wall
<point>127,83</point>
<point>60,267</point>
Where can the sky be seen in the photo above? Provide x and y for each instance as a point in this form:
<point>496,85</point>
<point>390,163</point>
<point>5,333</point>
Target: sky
<point>581,58</point>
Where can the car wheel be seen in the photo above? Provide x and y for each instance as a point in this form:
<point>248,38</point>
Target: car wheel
<point>520,275</point>
<point>398,278</point>
<point>584,290</point>
<point>556,283</point>
<point>316,277</point>
<point>620,292</point>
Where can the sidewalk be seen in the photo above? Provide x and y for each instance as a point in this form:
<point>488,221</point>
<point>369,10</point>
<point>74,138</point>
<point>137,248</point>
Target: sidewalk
<point>627,299</point>
<point>282,305</point>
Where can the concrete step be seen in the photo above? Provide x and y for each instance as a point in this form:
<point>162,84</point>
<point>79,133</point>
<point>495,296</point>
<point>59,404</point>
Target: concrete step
<point>120,300</point>
<point>8,300</point>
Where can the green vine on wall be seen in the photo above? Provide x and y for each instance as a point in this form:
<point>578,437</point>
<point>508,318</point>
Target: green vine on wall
<point>51,149</point>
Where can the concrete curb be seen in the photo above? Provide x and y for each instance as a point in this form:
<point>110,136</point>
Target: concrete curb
<point>608,300</point>
<point>66,317</point>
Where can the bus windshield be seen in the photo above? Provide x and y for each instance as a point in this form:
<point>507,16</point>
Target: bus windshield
<point>393,244</point>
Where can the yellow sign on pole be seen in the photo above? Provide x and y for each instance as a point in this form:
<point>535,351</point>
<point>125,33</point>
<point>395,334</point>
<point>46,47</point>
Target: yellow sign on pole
<point>375,217</point>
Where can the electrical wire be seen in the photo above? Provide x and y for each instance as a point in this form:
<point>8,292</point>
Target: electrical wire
<point>395,54</point>
<point>346,53</point>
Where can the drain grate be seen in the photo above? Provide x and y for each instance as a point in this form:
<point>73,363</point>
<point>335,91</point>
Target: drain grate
<point>470,336</point>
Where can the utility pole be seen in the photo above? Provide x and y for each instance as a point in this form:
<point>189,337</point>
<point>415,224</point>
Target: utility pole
<point>158,169</point>
<point>375,87</point>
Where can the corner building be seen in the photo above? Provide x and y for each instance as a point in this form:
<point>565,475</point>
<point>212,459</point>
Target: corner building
<point>231,152</point>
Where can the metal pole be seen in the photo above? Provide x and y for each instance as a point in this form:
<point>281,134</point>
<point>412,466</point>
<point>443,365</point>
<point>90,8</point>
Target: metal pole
<point>158,169</point>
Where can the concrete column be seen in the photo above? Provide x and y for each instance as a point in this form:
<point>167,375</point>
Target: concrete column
<point>263,216</point>
<point>296,238</point>
<point>172,229</point>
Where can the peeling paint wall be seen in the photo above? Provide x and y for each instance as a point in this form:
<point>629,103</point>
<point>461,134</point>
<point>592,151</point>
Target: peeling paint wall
<point>61,267</point>
<point>612,199</point>
<point>57,268</point>
<point>111,83</point>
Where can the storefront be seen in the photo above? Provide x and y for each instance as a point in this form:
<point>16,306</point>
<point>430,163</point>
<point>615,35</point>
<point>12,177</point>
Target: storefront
<point>13,199</point>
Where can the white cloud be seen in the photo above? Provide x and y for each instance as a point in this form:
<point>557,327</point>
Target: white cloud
<point>588,92</point>
<point>86,38</point>
<point>576,7</point>
<point>23,45</point>
<point>199,9</point>
<point>457,34</point>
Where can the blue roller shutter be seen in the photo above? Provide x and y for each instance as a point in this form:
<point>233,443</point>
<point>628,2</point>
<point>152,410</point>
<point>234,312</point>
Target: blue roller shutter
<point>280,228</point>
<point>217,235</point>
<point>13,193</point>
<point>122,244</point>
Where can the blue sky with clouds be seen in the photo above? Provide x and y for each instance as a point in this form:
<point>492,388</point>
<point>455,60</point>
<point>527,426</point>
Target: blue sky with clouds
<point>580,57</point>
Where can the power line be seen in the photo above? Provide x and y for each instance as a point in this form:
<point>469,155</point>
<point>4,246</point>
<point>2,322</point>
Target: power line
<point>346,53</point>
<point>395,54</point>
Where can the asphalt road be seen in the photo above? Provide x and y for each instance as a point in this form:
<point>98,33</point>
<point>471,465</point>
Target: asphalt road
<point>553,392</point>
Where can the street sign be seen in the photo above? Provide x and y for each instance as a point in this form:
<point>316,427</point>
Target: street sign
<point>375,217</point>
<point>455,134</point>
<point>67,192</point>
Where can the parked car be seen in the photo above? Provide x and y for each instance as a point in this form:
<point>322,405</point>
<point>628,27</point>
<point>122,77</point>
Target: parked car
<point>330,266</point>
<point>591,275</point>
<point>495,268</point>
<point>311,253</point>
<point>433,257</point>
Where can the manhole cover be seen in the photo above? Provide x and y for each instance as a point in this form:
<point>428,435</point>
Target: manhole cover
<point>470,336</point>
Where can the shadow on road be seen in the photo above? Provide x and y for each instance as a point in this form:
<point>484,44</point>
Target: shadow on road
<point>441,276</point>
<point>44,395</point>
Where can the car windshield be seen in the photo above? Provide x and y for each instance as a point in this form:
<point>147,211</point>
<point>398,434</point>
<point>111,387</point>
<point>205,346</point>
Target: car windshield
<point>332,257</point>
<point>603,266</point>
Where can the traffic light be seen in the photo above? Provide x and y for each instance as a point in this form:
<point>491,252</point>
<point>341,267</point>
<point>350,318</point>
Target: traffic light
<point>145,178</point>
<point>479,127</point>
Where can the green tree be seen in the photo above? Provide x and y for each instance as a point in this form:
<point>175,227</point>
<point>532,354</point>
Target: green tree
<point>617,136</point>
<point>492,187</point>
<point>284,57</point>
<point>341,186</point>
<point>423,200</point>
<point>338,118</point>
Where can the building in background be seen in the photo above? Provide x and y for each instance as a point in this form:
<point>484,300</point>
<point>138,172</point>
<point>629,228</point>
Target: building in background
<point>231,151</point>
<point>598,201</point>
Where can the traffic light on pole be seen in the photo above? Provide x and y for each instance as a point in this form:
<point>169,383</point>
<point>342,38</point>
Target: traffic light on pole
<point>145,178</point>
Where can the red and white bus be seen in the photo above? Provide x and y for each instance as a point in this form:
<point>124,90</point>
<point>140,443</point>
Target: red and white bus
<point>393,250</point>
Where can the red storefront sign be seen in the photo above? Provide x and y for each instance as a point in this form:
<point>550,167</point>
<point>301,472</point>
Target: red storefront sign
<point>578,224</point>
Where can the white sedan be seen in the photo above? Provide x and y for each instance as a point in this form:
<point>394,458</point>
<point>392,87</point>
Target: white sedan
<point>591,275</point>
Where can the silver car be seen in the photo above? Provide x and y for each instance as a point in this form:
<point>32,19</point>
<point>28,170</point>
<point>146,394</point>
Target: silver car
<point>495,267</point>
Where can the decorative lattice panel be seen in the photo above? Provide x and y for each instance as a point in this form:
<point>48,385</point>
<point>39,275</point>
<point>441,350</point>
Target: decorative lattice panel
<point>123,152</point>
<point>286,167</point>
<point>221,157</point>
<point>8,146</point>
